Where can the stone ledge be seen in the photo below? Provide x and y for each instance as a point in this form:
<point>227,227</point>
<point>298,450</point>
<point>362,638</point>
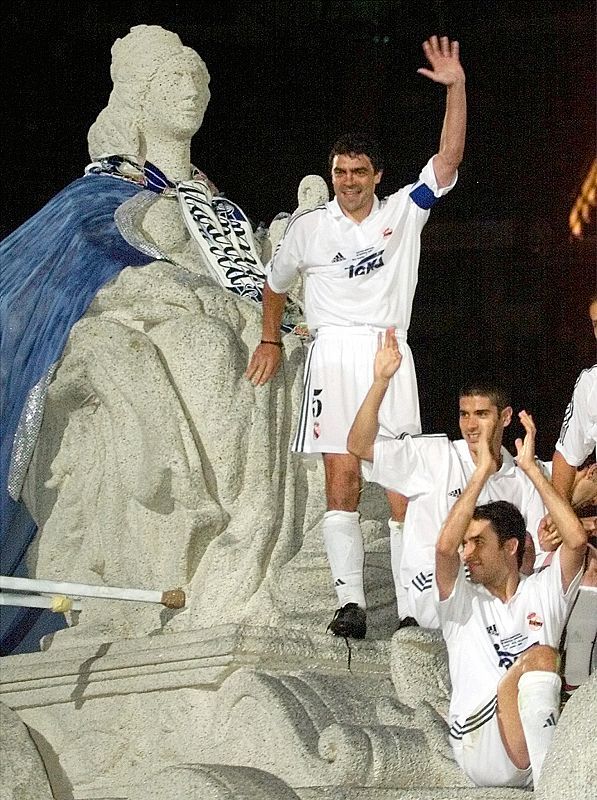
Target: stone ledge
<point>178,660</point>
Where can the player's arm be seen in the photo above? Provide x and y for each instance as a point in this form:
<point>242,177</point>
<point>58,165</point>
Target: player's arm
<point>570,529</point>
<point>451,535</point>
<point>444,59</point>
<point>563,479</point>
<point>574,443</point>
<point>365,427</point>
<point>268,354</point>
<point>562,475</point>
<point>584,491</point>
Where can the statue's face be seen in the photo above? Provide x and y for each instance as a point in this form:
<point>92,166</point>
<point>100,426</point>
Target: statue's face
<point>177,97</point>
<point>312,191</point>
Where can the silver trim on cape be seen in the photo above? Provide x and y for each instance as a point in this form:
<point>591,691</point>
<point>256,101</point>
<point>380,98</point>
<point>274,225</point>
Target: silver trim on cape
<point>27,432</point>
<point>126,217</point>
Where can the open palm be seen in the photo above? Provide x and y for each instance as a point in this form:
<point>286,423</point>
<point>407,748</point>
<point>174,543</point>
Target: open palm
<point>444,58</point>
<point>388,356</point>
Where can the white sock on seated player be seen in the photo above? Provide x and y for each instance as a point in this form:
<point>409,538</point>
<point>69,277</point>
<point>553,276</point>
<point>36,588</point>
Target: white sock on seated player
<point>343,541</point>
<point>539,708</point>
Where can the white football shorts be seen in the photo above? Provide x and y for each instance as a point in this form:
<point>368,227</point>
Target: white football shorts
<point>338,375</point>
<point>480,752</point>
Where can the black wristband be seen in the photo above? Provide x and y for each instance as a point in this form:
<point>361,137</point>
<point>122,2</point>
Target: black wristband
<point>268,341</point>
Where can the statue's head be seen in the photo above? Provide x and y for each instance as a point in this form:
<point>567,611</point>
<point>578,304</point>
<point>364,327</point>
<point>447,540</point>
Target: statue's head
<point>312,191</point>
<point>160,88</point>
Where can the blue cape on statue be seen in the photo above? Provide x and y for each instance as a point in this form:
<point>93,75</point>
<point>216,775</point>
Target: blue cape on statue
<point>52,268</point>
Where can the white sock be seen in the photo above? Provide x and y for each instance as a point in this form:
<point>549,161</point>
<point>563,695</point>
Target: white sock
<point>539,708</point>
<point>396,544</point>
<point>581,630</point>
<point>344,546</point>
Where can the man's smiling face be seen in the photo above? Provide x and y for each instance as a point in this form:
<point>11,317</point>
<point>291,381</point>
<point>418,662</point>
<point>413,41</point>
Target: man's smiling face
<point>354,180</point>
<point>478,414</point>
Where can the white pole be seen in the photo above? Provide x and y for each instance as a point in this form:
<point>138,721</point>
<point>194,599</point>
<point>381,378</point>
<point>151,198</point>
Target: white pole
<point>38,601</point>
<point>172,598</point>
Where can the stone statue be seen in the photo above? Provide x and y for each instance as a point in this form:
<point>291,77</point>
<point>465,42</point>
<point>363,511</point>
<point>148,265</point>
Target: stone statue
<point>312,191</point>
<point>157,464</point>
<point>148,410</point>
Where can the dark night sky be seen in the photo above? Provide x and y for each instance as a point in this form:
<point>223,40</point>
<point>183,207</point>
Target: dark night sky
<point>286,78</point>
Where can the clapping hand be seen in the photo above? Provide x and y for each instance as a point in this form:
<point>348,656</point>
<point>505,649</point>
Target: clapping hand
<point>525,450</point>
<point>486,458</point>
<point>388,356</point>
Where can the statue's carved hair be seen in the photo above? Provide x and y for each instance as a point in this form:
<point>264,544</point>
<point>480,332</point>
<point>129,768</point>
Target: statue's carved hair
<point>136,59</point>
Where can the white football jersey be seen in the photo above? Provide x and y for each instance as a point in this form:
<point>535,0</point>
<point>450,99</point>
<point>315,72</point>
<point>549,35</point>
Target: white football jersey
<point>358,274</point>
<point>485,636</point>
<point>432,472</point>
<point>578,435</point>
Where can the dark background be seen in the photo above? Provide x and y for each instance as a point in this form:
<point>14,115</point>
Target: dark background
<point>503,288</point>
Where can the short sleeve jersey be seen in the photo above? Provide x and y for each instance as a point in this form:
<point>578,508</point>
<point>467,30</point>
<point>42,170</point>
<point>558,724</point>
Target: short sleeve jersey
<point>485,636</point>
<point>358,274</point>
<point>432,472</point>
<point>578,435</point>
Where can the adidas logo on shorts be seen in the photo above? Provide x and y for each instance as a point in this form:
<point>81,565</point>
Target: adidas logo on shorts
<point>338,257</point>
<point>455,493</point>
<point>550,721</point>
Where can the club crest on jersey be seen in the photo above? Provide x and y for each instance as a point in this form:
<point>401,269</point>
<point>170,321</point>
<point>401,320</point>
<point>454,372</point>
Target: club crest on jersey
<point>387,232</point>
<point>365,265</point>
<point>492,630</point>
<point>534,620</point>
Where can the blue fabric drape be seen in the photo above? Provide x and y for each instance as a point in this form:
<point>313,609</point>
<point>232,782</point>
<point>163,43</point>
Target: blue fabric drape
<point>51,269</point>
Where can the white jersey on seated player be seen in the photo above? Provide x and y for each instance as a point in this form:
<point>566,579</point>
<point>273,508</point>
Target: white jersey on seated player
<point>432,472</point>
<point>359,259</point>
<point>502,629</point>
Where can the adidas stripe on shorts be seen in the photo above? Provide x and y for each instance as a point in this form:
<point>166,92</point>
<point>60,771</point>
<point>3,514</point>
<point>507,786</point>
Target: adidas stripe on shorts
<point>480,752</point>
<point>338,375</point>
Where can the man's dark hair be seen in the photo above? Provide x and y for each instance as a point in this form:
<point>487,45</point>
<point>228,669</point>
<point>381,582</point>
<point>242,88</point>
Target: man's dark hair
<point>357,144</point>
<point>485,388</point>
<point>507,521</point>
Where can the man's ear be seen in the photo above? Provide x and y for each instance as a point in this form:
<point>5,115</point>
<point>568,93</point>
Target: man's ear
<point>506,416</point>
<point>377,177</point>
<point>511,546</point>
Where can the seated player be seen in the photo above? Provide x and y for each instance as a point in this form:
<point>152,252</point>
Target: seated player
<point>502,629</point>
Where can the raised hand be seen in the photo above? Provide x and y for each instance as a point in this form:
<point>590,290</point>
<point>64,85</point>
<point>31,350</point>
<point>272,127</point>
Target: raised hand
<point>444,58</point>
<point>388,356</point>
<point>525,450</point>
<point>485,457</point>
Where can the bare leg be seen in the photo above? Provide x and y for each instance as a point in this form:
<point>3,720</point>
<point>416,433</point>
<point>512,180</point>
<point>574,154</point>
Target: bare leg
<point>342,481</point>
<point>398,505</point>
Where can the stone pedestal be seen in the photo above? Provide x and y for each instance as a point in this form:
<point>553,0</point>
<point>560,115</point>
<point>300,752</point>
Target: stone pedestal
<point>231,705</point>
